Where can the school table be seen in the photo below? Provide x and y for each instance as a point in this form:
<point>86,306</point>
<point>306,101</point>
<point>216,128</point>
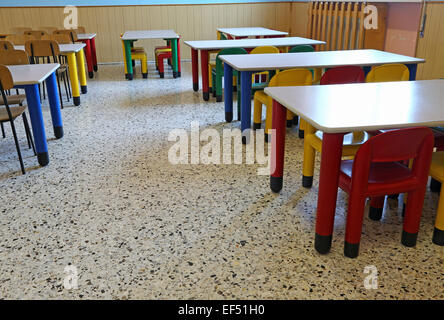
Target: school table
<point>89,39</point>
<point>76,63</point>
<point>338,109</point>
<point>28,77</point>
<point>251,32</point>
<point>204,46</point>
<point>247,64</point>
<point>131,36</point>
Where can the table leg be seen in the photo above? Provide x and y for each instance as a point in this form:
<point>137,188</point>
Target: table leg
<point>328,189</point>
<point>412,69</point>
<point>204,70</point>
<point>54,105</point>
<point>279,117</point>
<point>89,59</point>
<point>195,68</point>
<point>129,63</point>
<point>38,127</point>
<point>73,75</point>
<point>81,69</point>
<point>228,92</point>
<point>174,56</point>
<point>245,101</point>
<point>94,54</point>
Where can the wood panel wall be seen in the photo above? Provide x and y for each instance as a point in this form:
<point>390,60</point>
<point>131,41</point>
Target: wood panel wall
<point>192,22</point>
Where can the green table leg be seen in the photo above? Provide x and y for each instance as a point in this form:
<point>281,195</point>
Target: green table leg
<point>174,53</point>
<point>129,64</point>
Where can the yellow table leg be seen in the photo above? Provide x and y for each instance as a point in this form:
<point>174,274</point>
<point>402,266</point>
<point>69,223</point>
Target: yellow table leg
<point>82,72</point>
<point>73,75</point>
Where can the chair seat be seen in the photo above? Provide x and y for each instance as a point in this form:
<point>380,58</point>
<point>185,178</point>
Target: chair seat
<point>15,111</point>
<point>14,99</point>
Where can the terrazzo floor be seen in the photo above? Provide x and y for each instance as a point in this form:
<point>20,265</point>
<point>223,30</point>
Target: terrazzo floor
<point>137,227</point>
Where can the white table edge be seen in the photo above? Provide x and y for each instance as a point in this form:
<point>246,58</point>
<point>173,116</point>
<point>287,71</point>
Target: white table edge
<point>311,42</point>
<point>55,66</point>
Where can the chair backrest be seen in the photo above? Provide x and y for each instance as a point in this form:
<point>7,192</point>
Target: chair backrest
<point>18,39</point>
<point>340,75</point>
<point>264,49</point>
<point>14,57</point>
<point>42,48</point>
<point>20,30</point>
<point>388,72</point>
<point>6,81</point>
<point>49,30</point>
<point>59,38</point>
<point>71,33</point>
<point>6,45</point>
<point>292,77</point>
<point>223,36</point>
<point>302,48</point>
<point>36,34</point>
<point>80,30</point>
<point>225,52</point>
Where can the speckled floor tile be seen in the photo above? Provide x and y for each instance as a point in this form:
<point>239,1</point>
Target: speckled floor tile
<point>137,227</point>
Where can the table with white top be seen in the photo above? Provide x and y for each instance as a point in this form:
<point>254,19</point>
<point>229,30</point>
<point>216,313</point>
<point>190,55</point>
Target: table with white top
<point>28,77</point>
<point>130,36</point>
<point>76,63</point>
<point>246,65</point>
<point>205,46</point>
<point>338,109</point>
<point>89,39</point>
<point>251,32</point>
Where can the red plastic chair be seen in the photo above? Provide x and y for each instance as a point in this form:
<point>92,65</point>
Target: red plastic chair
<point>376,171</point>
<point>342,75</point>
<point>168,55</point>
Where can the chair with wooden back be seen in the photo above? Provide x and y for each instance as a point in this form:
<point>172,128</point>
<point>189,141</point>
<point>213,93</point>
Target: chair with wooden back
<point>80,30</point>
<point>18,39</point>
<point>36,34</point>
<point>6,45</point>
<point>71,33</point>
<point>49,30</point>
<point>61,38</point>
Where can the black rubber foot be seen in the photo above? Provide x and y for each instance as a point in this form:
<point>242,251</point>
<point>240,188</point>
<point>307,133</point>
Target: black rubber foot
<point>91,74</point>
<point>126,76</point>
<point>256,126</point>
<point>162,75</point>
<point>130,76</point>
<point>228,116</point>
<point>244,140</point>
<point>301,134</point>
<point>195,86</point>
<point>179,74</point>
<point>295,120</point>
<point>58,132</point>
<point>96,68</point>
<point>76,101</point>
<point>206,96</point>
<point>276,183</point>
<point>393,196</point>
<point>375,213</point>
<point>307,182</point>
<point>133,63</point>
<point>289,123</point>
<point>145,75</point>
<point>351,250</point>
<point>84,89</point>
<point>409,239</point>
<point>403,210</point>
<point>218,98</point>
<point>322,243</point>
<point>213,93</point>
<point>438,237</point>
<point>234,88</point>
<point>267,138</point>
<point>175,75</point>
<point>43,158</point>
<point>435,185</point>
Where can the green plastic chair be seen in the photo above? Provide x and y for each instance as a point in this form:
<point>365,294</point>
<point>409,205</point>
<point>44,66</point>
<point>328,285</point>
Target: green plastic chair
<point>218,72</point>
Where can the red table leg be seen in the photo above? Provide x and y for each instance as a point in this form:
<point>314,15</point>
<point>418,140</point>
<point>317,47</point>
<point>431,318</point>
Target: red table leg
<point>93,53</point>
<point>204,69</point>
<point>89,59</point>
<point>279,118</point>
<point>328,189</point>
<point>195,68</point>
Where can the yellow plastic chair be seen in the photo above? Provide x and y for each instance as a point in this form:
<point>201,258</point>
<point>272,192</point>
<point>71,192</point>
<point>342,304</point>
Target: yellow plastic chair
<point>262,50</point>
<point>291,77</point>
<point>388,72</point>
<point>437,173</point>
<point>137,55</point>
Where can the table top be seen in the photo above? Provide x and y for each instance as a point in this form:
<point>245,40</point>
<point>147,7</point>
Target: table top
<point>64,48</point>
<point>250,43</point>
<point>149,34</point>
<point>86,36</point>
<point>252,31</point>
<point>32,73</point>
<point>319,59</point>
<point>365,106</point>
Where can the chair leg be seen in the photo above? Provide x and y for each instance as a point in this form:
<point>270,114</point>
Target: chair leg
<point>28,133</point>
<point>412,218</point>
<point>60,90</point>
<point>309,159</point>
<point>69,85</point>
<point>438,232</point>
<point>3,130</point>
<point>268,121</point>
<point>353,230</point>
<point>290,116</point>
<point>66,86</point>
<point>376,208</point>
<point>257,114</point>
<point>160,67</point>
<point>17,146</point>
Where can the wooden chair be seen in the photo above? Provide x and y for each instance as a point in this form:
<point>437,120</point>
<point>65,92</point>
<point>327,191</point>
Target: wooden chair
<point>6,45</point>
<point>61,38</point>
<point>71,33</point>
<point>37,35</point>
<point>18,39</point>
<point>9,114</point>
<point>80,30</point>
<point>49,30</point>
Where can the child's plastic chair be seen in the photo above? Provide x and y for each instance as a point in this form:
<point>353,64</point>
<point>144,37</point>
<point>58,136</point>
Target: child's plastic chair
<point>167,53</point>
<point>437,173</point>
<point>291,77</point>
<point>137,55</point>
<point>260,80</point>
<point>313,138</point>
<point>388,72</point>
<point>377,171</point>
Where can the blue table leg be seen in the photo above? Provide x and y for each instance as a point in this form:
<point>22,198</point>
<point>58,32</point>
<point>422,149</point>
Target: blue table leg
<point>228,92</point>
<point>412,70</point>
<point>38,127</point>
<point>54,105</point>
<point>245,103</point>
